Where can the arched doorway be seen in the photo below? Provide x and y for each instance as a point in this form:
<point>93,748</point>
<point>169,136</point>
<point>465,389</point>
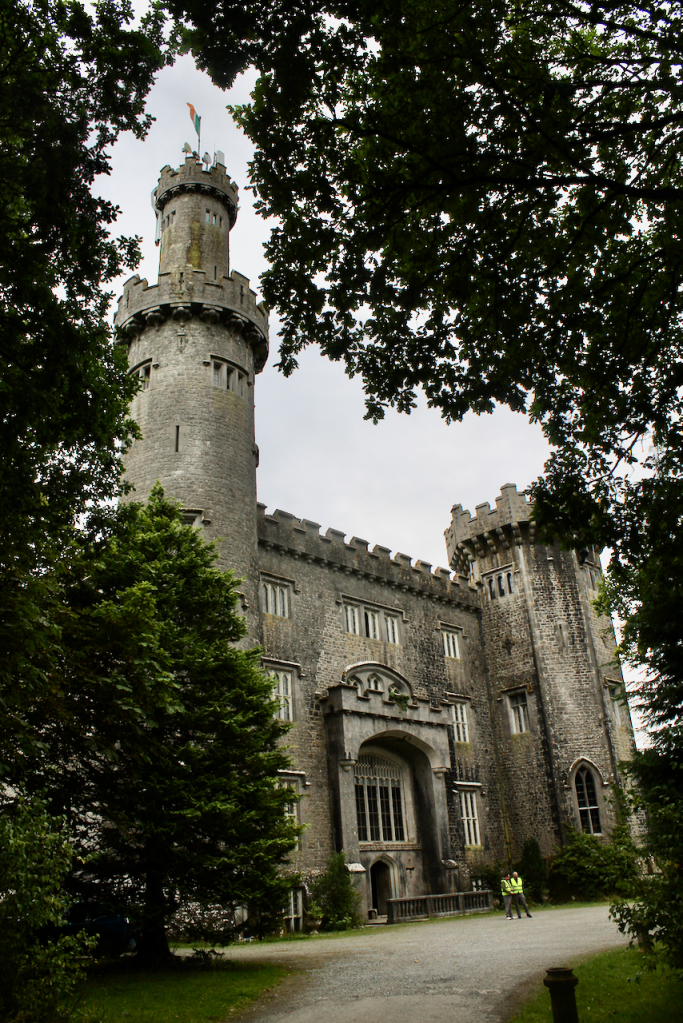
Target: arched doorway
<point>380,881</point>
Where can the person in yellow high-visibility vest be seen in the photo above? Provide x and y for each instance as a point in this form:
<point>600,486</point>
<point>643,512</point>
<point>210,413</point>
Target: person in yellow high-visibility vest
<point>517,889</point>
<point>506,892</point>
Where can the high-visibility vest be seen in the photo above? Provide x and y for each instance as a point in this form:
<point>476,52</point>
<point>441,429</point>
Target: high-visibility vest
<point>506,887</point>
<point>516,885</point>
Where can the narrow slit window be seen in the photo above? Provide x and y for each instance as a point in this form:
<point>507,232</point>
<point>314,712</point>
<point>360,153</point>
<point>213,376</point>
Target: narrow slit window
<point>492,591</point>
<point>177,438</point>
<point>501,587</point>
<point>214,219</point>
<point>387,834</point>
<point>207,218</point>
<point>217,374</point>
<point>229,381</point>
<point>145,376</point>
<point>510,587</point>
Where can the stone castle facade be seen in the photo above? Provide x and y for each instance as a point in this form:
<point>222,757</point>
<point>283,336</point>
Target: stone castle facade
<point>440,717</point>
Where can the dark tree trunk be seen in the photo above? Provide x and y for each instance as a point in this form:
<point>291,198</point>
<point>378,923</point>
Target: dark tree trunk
<point>152,949</point>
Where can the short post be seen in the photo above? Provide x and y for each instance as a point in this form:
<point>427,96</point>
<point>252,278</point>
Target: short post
<point>561,982</point>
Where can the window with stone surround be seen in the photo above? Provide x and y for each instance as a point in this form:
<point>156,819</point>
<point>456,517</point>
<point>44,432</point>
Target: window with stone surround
<point>379,799</point>
<point>587,798</point>
<point>470,816</point>
<point>499,584</point>
<point>275,598</point>
<point>459,718</point>
<point>283,693</point>
<point>360,619</point>
<point>228,377</point>
<point>519,712</point>
<point>451,643</point>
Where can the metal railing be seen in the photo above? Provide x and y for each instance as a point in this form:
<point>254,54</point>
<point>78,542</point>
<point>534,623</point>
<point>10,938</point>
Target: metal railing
<point>421,907</point>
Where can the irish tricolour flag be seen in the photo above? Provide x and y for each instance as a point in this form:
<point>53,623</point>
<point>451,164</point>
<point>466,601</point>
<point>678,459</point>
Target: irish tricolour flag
<point>196,119</point>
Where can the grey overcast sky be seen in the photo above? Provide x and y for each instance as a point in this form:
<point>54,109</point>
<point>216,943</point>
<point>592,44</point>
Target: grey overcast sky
<point>392,484</point>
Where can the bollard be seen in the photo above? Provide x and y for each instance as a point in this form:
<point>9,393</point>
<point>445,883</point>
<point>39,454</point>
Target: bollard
<point>561,982</point>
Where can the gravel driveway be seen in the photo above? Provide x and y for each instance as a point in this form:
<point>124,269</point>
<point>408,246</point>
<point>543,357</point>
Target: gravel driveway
<point>461,970</point>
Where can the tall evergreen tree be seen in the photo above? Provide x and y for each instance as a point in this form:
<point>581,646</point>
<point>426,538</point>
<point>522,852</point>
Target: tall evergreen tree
<point>166,751</point>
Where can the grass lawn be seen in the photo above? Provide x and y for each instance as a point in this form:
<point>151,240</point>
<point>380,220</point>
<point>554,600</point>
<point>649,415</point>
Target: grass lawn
<point>615,986</point>
<point>189,994</point>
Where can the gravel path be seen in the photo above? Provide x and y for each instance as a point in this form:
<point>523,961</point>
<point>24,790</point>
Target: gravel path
<point>462,970</point>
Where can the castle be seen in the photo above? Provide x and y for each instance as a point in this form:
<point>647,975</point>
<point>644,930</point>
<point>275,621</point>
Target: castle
<point>440,717</point>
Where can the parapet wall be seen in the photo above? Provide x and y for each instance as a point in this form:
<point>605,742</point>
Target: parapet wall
<point>182,294</point>
<point>192,177</point>
<point>301,538</point>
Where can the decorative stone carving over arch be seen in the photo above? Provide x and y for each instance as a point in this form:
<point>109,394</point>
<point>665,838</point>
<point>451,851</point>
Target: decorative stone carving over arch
<point>370,676</point>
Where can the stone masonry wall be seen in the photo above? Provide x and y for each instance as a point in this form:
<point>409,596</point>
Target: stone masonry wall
<point>322,571</point>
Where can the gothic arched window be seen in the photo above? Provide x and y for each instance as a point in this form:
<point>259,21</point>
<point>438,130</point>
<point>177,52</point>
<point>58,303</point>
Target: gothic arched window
<point>379,799</point>
<point>587,798</point>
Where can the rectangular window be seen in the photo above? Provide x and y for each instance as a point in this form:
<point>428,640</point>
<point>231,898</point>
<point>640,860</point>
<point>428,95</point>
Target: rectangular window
<point>283,692</point>
<point>145,376</point>
<point>470,820</point>
<point>520,713</point>
<point>239,384</point>
<point>351,622</point>
<point>450,644</point>
<point>360,813</point>
<point>373,813</point>
<point>459,713</point>
<point>217,374</point>
<point>371,624</point>
<point>214,219</point>
<point>207,217</point>
<point>275,599</point>
<point>392,628</point>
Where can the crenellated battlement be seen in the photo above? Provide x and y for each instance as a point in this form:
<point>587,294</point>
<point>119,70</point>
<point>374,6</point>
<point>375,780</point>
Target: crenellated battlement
<point>490,530</point>
<point>301,538</point>
<point>213,182</point>
<point>182,294</point>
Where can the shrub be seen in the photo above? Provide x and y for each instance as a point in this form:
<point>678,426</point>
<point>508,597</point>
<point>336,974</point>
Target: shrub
<point>336,895</point>
<point>589,867</point>
<point>39,969</point>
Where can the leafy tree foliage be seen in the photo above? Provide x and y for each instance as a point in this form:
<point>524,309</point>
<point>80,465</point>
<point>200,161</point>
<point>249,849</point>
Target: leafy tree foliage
<point>588,868</point>
<point>483,201</point>
<point>335,896</point>
<point>71,82</point>
<point>478,200</point>
<point>38,977</point>
<point>165,752</point>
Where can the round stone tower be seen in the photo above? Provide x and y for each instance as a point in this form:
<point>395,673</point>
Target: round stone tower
<point>196,340</point>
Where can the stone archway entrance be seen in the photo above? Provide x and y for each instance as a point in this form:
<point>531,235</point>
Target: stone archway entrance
<point>380,882</point>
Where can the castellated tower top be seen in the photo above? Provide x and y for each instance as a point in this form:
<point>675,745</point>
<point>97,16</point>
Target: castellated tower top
<point>196,210</point>
<point>469,537</point>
